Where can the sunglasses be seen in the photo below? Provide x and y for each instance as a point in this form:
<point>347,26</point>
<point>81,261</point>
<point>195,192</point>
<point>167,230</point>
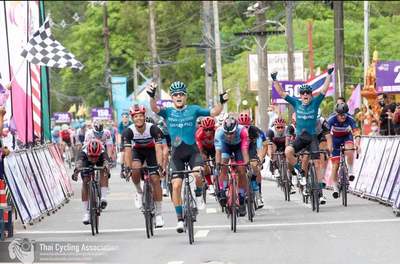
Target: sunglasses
<point>178,94</point>
<point>279,127</point>
<point>305,92</point>
<point>208,129</point>
<point>229,133</point>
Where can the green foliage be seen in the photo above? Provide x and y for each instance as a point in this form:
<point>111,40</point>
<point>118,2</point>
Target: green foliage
<point>179,25</point>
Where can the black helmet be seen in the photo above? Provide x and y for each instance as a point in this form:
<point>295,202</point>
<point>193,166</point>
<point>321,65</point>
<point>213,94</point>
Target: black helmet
<point>341,108</point>
<point>230,125</point>
<point>149,119</point>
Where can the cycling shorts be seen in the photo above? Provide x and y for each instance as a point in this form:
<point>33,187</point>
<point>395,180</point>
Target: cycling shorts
<point>182,154</point>
<point>307,142</point>
<point>339,141</point>
<point>235,150</point>
<point>145,154</point>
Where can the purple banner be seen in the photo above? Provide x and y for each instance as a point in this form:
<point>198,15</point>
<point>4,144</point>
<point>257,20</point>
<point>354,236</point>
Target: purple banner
<point>164,103</point>
<point>388,76</point>
<point>101,113</point>
<point>291,87</point>
<point>62,117</point>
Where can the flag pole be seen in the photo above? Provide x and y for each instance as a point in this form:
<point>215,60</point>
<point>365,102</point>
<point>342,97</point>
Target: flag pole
<point>18,69</point>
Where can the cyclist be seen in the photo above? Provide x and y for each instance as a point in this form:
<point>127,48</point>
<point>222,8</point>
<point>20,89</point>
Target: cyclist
<point>324,138</point>
<point>80,136</point>
<point>66,138</point>
<point>92,154</point>
<point>205,143</point>
<point>181,123</point>
<point>104,135</point>
<point>55,135</point>
<point>306,110</point>
<point>277,138</point>
<point>142,143</point>
<point>342,127</point>
<point>258,146</point>
<point>232,139</point>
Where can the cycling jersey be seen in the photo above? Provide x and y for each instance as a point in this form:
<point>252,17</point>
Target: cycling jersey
<point>181,123</point>
<point>80,135</point>
<point>65,135</point>
<point>306,115</point>
<point>150,136</point>
<point>338,129</point>
<point>277,138</point>
<point>322,129</point>
<point>236,146</point>
<point>105,137</point>
<point>121,127</point>
<point>203,140</point>
<point>256,139</point>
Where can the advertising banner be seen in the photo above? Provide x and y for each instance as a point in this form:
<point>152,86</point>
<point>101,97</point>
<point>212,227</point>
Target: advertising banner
<point>101,113</point>
<point>393,183</point>
<point>358,163</point>
<point>61,118</point>
<point>291,87</point>
<point>388,76</point>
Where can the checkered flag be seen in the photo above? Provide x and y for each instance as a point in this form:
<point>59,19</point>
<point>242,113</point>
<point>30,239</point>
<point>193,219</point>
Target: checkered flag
<point>43,49</point>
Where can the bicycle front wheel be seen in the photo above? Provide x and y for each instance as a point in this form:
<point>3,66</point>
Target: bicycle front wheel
<point>93,209</point>
<point>189,214</point>
<point>315,186</point>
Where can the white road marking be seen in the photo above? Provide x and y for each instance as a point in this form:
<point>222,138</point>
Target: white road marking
<point>175,262</point>
<point>211,210</point>
<point>251,226</point>
<point>201,233</point>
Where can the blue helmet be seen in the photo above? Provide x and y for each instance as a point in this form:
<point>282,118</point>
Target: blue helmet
<point>177,87</point>
<point>305,88</point>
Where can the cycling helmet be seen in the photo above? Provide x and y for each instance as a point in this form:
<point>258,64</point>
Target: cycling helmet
<point>244,119</point>
<point>98,129</point>
<point>65,127</point>
<point>149,119</point>
<point>125,114</point>
<point>230,125</point>
<point>137,109</point>
<point>279,121</point>
<point>342,108</point>
<point>177,87</point>
<point>305,88</point>
<point>95,148</point>
<point>221,118</point>
<point>208,122</point>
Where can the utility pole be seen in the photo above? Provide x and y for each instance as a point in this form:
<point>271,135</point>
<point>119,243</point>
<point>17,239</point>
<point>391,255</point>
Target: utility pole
<point>135,79</point>
<point>366,46</point>
<point>218,52</point>
<point>290,45</point>
<point>310,49</point>
<point>339,48</point>
<point>153,48</point>
<point>207,18</point>
<point>264,97</point>
<point>106,36</point>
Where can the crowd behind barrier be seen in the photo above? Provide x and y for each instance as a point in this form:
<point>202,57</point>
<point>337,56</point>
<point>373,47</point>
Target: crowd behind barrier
<point>38,182</point>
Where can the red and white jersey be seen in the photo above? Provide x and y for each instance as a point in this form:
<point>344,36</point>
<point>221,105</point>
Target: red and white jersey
<point>150,136</point>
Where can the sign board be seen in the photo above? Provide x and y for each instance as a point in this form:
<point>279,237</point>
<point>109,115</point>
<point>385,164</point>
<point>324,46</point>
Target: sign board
<point>165,103</point>
<point>276,62</point>
<point>388,76</point>
<point>292,88</point>
<point>99,113</point>
<point>62,117</point>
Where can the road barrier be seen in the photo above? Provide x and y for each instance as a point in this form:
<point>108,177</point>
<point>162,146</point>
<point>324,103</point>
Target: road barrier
<point>378,171</point>
<point>38,182</point>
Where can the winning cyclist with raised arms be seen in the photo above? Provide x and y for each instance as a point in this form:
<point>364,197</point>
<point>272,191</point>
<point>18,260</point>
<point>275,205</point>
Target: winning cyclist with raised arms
<point>181,122</point>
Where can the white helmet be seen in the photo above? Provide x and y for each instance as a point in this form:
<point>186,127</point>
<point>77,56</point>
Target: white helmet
<point>64,127</point>
<point>221,118</point>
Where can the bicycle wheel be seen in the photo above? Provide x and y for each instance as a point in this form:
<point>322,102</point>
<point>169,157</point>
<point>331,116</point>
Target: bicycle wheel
<point>204,191</point>
<point>249,204</point>
<point>189,214</point>
<point>343,186</point>
<point>234,208</point>
<point>147,211</point>
<point>92,208</point>
<point>315,186</point>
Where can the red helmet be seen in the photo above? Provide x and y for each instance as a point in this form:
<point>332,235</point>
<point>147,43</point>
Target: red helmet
<point>244,119</point>
<point>95,148</point>
<point>208,122</point>
<point>137,109</point>
<point>279,121</point>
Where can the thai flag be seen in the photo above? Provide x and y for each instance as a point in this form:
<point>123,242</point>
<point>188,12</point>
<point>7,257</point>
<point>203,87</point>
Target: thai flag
<point>317,82</point>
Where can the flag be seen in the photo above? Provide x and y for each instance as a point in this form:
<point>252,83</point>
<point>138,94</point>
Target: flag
<point>317,82</point>
<point>72,109</point>
<point>355,99</point>
<point>81,111</point>
<point>42,49</point>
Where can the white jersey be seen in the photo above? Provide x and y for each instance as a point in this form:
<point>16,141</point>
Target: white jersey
<point>106,138</point>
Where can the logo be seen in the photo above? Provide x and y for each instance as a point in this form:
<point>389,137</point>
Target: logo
<point>22,249</point>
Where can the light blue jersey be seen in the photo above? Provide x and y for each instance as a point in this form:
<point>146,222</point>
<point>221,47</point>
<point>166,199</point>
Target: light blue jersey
<point>181,123</point>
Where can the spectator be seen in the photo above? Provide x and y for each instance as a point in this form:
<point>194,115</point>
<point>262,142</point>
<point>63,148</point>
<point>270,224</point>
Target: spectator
<point>386,116</point>
<point>340,100</point>
<point>273,113</point>
<point>374,128</point>
<point>396,119</point>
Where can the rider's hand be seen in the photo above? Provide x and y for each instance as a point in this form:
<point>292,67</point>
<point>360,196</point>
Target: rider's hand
<point>75,175</point>
<point>151,89</point>
<point>223,97</point>
<point>127,172</point>
<point>273,75</point>
<point>331,68</point>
